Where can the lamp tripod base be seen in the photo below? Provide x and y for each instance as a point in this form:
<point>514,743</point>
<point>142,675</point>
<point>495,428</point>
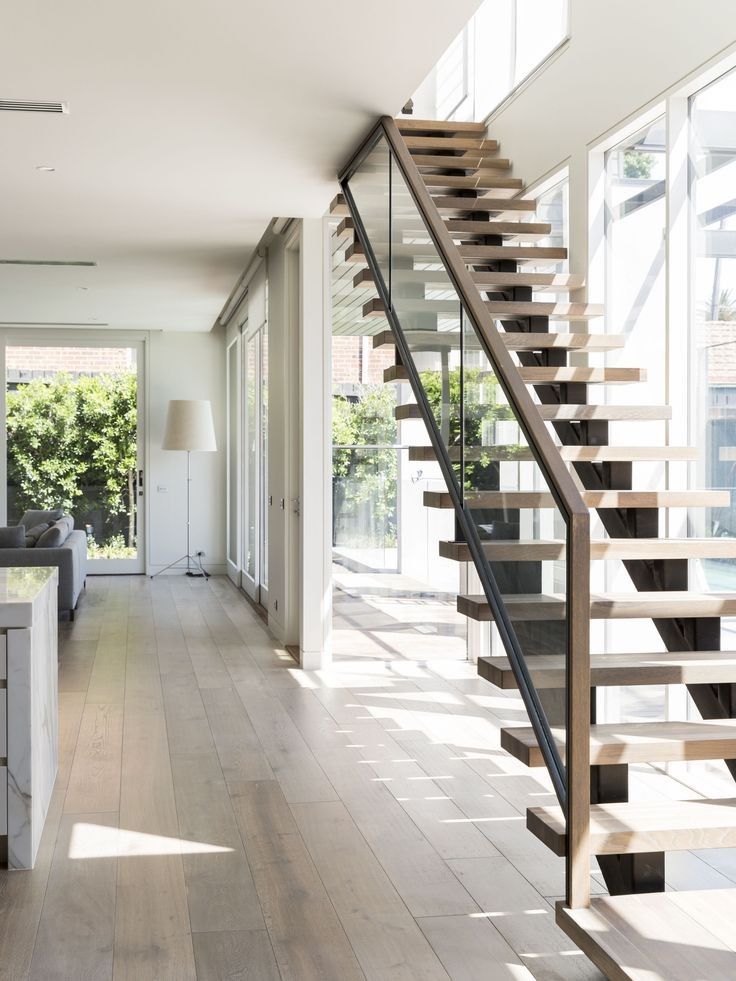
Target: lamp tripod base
<point>194,568</point>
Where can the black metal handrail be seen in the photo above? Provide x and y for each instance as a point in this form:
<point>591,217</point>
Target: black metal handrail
<point>571,781</point>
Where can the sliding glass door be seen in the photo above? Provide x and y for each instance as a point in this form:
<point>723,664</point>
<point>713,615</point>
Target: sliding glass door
<point>75,441</point>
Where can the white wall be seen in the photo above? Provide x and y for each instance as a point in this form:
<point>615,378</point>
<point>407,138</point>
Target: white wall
<point>185,365</point>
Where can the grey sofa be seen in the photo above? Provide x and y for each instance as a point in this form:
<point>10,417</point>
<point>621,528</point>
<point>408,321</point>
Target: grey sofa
<point>69,557</point>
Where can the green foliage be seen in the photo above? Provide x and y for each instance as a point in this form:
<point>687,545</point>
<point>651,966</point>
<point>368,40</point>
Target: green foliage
<point>113,548</point>
<point>726,309</point>
<point>364,480</point>
<point>638,165</point>
<point>66,435</point>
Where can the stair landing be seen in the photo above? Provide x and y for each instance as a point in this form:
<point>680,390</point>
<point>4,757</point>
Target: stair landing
<point>671,936</point>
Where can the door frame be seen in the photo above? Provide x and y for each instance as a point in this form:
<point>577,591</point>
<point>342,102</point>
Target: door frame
<point>252,584</point>
<point>92,337</point>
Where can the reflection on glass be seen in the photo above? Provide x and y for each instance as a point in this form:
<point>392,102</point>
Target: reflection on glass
<point>72,425</point>
<point>713,120</point>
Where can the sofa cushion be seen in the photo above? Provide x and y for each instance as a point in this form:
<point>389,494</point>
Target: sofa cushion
<point>55,535</point>
<point>13,537</point>
<point>32,518</point>
<point>34,533</point>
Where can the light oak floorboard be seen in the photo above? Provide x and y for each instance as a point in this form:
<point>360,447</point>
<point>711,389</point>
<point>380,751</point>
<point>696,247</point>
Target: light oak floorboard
<point>244,955</point>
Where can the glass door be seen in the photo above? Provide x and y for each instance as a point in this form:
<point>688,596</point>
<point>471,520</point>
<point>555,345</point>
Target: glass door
<point>256,499</point>
<point>75,442</point>
<point>233,456</point>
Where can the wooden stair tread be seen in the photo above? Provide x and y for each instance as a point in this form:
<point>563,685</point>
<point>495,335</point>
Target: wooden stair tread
<point>512,500</point>
<point>467,161</point>
<point>611,413</point>
<point>534,253</point>
<point>606,606</point>
<point>480,180</point>
<point>578,341</point>
<point>409,126</point>
<point>439,143</point>
<point>607,549</point>
<point>570,454</point>
<point>586,376</point>
<point>484,204</point>
<point>612,670</point>
<point>513,309</point>
<point>635,742</point>
<point>563,282</point>
<point>649,826</point>
<point>666,936</point>
<point>507,229</point>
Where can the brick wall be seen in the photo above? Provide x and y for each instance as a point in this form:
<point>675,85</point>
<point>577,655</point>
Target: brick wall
<point>74,360</point>
<point>354,360</point>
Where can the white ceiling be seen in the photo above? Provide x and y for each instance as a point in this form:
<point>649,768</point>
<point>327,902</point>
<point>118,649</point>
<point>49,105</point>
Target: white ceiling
<point>191,125</point>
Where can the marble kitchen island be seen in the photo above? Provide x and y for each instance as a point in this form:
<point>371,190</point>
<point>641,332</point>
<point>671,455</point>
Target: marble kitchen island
<point>29,719</point>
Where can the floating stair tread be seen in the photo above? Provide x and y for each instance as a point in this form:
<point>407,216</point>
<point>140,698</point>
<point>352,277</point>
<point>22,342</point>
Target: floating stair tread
<point>395,372</point>
<point>633,549</point>
<point>513,309</point>
<point>338,205</point>
<point>648,826</point>
<point>483,204</point>
<point>587,376</point>
<point>468,161</point>
<point>412,126</point>
<point>534,253</point>
<point>612,670</point>
<point>507,229</point>
<point>606,606</point>
<point>511,500</point>
<point>479,181</point>
<point>488,282</point>
<point>410,411</point>
<point>610,413</point>
<point>635,742</point>
<point>666,936</point>
<point>579,341</point>
<point>436,144</point>
<point>571,454</point>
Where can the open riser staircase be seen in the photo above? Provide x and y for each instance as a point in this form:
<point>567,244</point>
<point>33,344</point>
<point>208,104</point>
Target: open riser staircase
<point>446,248</point>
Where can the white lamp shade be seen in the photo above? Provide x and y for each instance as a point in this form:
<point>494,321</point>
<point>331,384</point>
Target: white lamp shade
<point>189,426</point>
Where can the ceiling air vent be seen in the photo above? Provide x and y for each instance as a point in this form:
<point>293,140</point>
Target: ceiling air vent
<point>47,262</point>
<point>21,105</point>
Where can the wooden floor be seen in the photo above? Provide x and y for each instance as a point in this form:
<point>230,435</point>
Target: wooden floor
<point>221,814</point>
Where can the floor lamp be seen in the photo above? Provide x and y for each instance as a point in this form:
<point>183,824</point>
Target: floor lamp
<point>189,427</point>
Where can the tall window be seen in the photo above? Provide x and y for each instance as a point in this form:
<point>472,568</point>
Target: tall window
<point>713,309</point>
<point>504,43</point>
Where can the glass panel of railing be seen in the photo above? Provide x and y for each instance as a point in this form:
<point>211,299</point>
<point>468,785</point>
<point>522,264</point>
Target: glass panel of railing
<point>428,308</point>
<point>370,189</point>
<point>522,533</point>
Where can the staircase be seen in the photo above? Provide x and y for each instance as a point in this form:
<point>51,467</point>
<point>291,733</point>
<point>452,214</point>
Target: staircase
<point>444,249</point>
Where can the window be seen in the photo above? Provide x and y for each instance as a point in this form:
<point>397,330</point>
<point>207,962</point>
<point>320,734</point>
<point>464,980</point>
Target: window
<point>502,45</point>
<point>713,307</point>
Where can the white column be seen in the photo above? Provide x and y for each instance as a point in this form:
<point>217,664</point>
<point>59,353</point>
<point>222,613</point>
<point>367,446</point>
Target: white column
<point>315,374</point>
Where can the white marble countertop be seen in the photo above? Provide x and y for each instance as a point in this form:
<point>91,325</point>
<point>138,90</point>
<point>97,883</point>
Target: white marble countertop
<point>20,589</point>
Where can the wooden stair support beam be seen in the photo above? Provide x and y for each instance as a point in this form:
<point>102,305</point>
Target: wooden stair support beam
<point>578,341</point>
<point>570,454</point>
<point>635,742</point>
<point>615,670</point>
<point>409,126</point>
<point>515,310</point>
<point>604,413</point>
<point>607,549</point>
<point>436,144</point>
<point>647,826</point>
<point>606,606</point>
<point>675,936</point>
<point>615,499</point>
